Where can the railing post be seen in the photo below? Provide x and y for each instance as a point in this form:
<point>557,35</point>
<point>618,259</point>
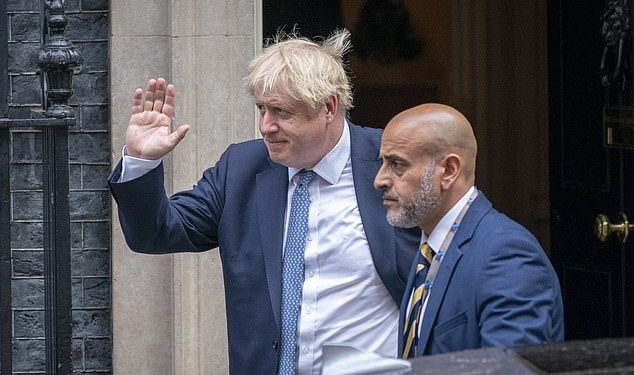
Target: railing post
<point>6,320</point>
<point>57,59</point>
<point>6,315</point>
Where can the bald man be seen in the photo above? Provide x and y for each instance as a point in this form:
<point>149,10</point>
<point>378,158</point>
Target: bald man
<point>480,279</point>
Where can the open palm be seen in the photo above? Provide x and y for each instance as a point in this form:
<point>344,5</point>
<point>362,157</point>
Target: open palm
<point>149,134</point>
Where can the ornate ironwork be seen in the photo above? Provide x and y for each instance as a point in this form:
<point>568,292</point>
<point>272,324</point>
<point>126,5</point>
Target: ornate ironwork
<point>58,58</point>
<point>616,51</point>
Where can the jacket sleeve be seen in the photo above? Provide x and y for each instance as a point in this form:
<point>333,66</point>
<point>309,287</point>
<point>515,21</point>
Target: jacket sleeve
<point>185,222</point>
<point>518,294</point>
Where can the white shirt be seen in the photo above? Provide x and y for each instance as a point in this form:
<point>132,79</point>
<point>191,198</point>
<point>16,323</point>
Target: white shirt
<point>343,297</point>
<point>437,237</point>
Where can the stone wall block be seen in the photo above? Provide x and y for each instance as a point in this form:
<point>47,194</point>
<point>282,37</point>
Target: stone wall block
<point>26,90</point>
<point>26,176</point>
<point>22,5</point>
<point>27,235</point>
<point>95,176</point>
<point>74,176</point>
<point>27,206</point>
<point>21,27</point>
<point>90,323</point>
<point>96,234</point>
<point>89,205</point>
<point>28,323</point>
<point>27,293</point>
<point>88,147</point>
<point>96,292</point>
<point>94,5</point>
<point>87,26</point>
<point>95,55</point>
<point>76,235</point>
<point>95,117</point>
<point>29,355</point>
<point>77,285</point>
<point>97,353</point>
<point>90,88</point>
<point>28,263</point>
<point>90,263</point>
<point>26,147</point>
<point>23,57</point>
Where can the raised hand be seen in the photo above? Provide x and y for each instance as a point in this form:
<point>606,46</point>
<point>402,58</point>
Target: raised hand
<point>149,135</point>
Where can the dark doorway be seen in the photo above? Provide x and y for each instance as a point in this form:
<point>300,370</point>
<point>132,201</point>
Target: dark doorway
<point>390,68</point>
<point>489,59</point>
<point>586,177</point>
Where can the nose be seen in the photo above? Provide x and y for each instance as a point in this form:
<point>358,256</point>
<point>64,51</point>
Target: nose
<point>267,123</point>
<point>381,182</point>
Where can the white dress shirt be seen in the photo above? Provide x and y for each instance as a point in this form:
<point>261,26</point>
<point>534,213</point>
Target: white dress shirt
<point>437,237</point>
<point>343,297</point>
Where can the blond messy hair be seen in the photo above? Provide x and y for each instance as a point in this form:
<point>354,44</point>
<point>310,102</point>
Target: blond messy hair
<point>302,69</point>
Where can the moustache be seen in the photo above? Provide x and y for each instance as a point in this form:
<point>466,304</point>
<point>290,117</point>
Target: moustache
<point>389,196</point>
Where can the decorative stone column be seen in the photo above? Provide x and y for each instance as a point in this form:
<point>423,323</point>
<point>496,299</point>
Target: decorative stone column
<point>168,310</point>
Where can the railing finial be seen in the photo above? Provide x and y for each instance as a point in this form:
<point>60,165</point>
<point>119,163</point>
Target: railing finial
<point>58,59</point>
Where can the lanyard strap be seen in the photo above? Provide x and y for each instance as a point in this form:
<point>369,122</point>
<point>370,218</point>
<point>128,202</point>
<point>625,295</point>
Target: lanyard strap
<point>435,264</point>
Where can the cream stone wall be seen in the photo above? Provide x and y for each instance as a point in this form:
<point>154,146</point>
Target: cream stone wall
<point>168,314</point>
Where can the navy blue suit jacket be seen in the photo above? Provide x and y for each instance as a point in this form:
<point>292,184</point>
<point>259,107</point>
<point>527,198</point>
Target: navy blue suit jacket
<point>495,288</point>
<point>239,205</point>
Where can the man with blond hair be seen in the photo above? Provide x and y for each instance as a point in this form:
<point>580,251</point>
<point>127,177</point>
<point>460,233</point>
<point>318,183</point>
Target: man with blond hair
<point>480,279</point>
<point>307,254</point>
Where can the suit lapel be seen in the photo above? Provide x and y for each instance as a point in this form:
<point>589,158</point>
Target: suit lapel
<point>474,214</point>
<point>439,288</point>
<point>272,188</point>
<point>381,238</point>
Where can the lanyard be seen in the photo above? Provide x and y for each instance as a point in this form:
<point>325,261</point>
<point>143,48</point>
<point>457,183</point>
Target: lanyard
<point>435,264</point>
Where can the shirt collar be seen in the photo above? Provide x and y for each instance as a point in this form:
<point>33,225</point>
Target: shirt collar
<point>441,230</point>
<point>331,166</point>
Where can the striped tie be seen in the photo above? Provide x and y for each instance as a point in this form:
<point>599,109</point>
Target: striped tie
<point>410,335</point>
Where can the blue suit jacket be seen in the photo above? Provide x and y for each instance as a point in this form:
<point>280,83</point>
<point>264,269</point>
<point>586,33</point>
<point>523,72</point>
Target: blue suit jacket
<point>239,205</point>
<point>495,287</point>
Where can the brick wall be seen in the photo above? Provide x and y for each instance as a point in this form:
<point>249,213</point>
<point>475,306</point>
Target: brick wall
<point>89,148</point>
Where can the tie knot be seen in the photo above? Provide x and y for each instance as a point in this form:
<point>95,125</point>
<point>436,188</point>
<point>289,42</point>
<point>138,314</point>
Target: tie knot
<point>427,252</point>
<point>305,177</point>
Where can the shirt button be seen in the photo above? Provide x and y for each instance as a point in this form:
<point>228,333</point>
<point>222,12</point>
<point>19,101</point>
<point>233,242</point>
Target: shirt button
<point>311,273</point>
<point>306,349</point>
<point>308,311</point>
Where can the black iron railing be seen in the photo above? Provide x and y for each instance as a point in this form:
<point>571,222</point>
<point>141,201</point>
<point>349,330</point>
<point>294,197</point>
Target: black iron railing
<point>57,59</point>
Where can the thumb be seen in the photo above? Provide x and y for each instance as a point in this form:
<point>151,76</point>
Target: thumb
<point>179,134</point>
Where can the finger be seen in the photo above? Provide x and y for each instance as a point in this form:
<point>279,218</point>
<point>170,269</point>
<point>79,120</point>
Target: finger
<point>149,95</point>
<point>170,98</point>
<point>159,95</point>
<point>136,101</point>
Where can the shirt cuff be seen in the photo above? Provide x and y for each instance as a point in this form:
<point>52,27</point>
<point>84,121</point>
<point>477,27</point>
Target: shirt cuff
<point>132,167</point>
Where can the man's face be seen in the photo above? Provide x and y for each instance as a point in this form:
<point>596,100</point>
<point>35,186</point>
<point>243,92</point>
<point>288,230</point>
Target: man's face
<point>294,136</point>
<point>407,179</point>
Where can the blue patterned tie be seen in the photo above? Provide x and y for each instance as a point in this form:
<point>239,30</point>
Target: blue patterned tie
<point>293,270</point>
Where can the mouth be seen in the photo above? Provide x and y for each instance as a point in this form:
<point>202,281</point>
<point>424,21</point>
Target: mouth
<point>274,141</point>
<point>389,199</point>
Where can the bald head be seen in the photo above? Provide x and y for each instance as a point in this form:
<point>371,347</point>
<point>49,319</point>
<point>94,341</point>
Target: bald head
<point>428,163</point>
<point>436,129</point>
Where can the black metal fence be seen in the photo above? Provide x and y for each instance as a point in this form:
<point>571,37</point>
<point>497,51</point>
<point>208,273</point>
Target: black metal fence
<point>57,59</point>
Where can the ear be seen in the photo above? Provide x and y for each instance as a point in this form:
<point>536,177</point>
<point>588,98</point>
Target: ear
<point>452,168</point>
<point>332,106</point>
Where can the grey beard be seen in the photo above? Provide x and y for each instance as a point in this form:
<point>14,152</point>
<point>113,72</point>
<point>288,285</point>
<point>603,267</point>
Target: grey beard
<point>413,213</point>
